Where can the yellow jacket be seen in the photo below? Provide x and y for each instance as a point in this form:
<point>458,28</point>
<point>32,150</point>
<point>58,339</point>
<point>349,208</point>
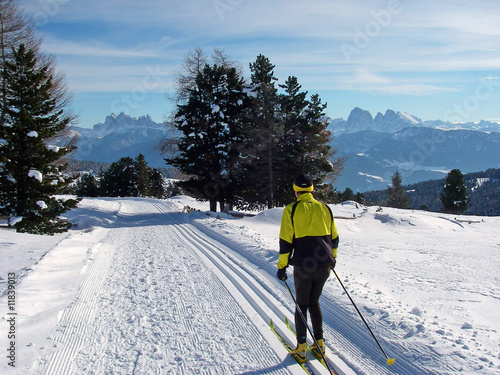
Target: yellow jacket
<point>308,234</point>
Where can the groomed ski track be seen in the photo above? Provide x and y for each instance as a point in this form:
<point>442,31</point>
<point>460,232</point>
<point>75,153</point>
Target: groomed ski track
<point>165,294</point>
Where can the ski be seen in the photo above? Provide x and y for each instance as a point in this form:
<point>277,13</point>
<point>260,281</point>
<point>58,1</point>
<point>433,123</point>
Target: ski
<point>289,347</point>
<point>316,354</point>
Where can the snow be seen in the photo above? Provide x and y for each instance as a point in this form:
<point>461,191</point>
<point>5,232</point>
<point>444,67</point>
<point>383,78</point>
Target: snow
<point>53,148</point>
<point>407,117</point>
<point>372,176</point>
<point>138,286</point>
<point>41,204</point>
<point>32,134</point>
<point>37,175</point>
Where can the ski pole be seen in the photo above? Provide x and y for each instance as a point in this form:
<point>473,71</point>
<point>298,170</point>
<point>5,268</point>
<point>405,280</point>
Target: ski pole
<point>310,332</point>
<point>390,361</point>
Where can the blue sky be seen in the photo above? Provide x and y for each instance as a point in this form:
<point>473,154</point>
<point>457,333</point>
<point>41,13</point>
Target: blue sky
<point>432,59</point>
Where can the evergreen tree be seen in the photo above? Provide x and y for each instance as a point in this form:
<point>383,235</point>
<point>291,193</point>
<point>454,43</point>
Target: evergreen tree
<point>287,135</point>
<point>347,195</point>
<point>264,133</point>
<point>211,124</point>
<point>395,194</point>
<point>132,178</point>
<point>87,186</point>
<point>157,187</point>
<point>454,197</point>
<point>17,28</point>
<point>292,105</point>
<point>306,140</point>
<point>30,176</point>
<point>142,175</point>
<point>360,198</point>
<point>120,179</point>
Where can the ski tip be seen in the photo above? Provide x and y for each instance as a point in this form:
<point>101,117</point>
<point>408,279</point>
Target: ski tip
<point>390,361</point>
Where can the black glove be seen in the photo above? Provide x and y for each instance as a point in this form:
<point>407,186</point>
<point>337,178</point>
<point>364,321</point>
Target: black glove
<point>282,274</point>
<point>332,267</point>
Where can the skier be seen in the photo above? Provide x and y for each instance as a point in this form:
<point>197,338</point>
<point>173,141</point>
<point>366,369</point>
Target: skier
<point>308,241</point>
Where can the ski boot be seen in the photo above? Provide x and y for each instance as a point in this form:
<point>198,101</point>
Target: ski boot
<point>320,349</point>
<point>300,353</point>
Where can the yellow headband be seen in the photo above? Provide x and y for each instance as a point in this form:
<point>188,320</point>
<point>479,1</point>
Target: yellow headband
<point>307,189</point>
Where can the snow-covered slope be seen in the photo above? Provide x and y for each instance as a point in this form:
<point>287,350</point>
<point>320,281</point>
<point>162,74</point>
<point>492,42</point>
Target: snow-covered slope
<point>141,287</point>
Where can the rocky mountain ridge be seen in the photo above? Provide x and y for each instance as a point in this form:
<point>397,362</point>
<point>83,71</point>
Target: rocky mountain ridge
<point>376,147</point>
<point>392,121</point>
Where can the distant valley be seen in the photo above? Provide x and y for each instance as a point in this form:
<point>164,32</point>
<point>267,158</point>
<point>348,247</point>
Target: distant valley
<point>378,147</point>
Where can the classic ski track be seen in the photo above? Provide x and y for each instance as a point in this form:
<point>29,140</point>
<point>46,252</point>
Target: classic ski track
<point>260,299</point>
<point>347,336</point>
<point>76,319</point>
<point>259,305</point>
<point>337,315</point>
<point>95,326</point>
<point>223,258</point>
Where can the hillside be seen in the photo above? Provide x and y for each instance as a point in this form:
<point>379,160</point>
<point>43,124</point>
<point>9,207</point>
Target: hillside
<point>138,286</point>
<point>483,188</point>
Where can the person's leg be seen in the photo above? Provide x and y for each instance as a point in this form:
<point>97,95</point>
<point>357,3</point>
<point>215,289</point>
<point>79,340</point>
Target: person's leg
<point>303,285</point>
<point>318,282</point>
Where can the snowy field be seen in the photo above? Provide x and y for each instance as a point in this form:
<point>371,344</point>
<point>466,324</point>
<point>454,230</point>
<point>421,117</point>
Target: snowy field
<point>139,287</point>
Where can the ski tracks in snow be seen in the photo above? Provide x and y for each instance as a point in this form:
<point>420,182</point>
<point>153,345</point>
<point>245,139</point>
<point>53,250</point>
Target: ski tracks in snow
<point>160,296</point>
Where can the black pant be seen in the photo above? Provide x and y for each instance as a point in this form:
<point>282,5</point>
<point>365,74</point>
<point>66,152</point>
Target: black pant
<point>308,288</point>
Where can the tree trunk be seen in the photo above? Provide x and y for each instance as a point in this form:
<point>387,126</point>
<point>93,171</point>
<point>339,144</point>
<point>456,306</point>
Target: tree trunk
<point>270,198</point>
<point>213,205</point>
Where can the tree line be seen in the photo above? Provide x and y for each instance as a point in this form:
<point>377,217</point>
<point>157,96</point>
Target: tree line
<point>244,141</point>
<point>126,177</point>
<point>473,193</point>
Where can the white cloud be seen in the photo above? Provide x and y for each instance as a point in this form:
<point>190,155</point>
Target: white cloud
<point>93,49</point>
<point>403,47</point>
<point>367,81</point>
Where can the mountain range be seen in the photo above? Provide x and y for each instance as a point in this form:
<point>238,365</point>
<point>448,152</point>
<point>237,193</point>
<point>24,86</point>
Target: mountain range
<point>376,147</point>
<point>122,136</point>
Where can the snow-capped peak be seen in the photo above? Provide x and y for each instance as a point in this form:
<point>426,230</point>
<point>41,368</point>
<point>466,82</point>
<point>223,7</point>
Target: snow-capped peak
<point>406,117</point>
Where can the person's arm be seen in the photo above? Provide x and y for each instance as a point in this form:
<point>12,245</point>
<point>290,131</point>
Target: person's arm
<point>287,234</point>
<point>335,239</point>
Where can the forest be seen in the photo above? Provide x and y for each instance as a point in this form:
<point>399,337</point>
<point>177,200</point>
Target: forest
<point>483,190</point>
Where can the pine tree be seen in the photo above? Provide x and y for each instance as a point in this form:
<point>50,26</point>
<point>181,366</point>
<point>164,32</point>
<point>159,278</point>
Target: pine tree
<point>264,133</point>
<point>288,135</point>
<point>347,195</point>
<point>454,197</point>
<point>17,28</point>
<point>87,186</point>
<point>30,176</point>
<point>306,141</point>
<point>157,187</point>
<point>292,105</point>
<point>210,122</point>
<point>129,177</point>
<point>142,175</point>
<point>395,194</point>
<point>120,180</point>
